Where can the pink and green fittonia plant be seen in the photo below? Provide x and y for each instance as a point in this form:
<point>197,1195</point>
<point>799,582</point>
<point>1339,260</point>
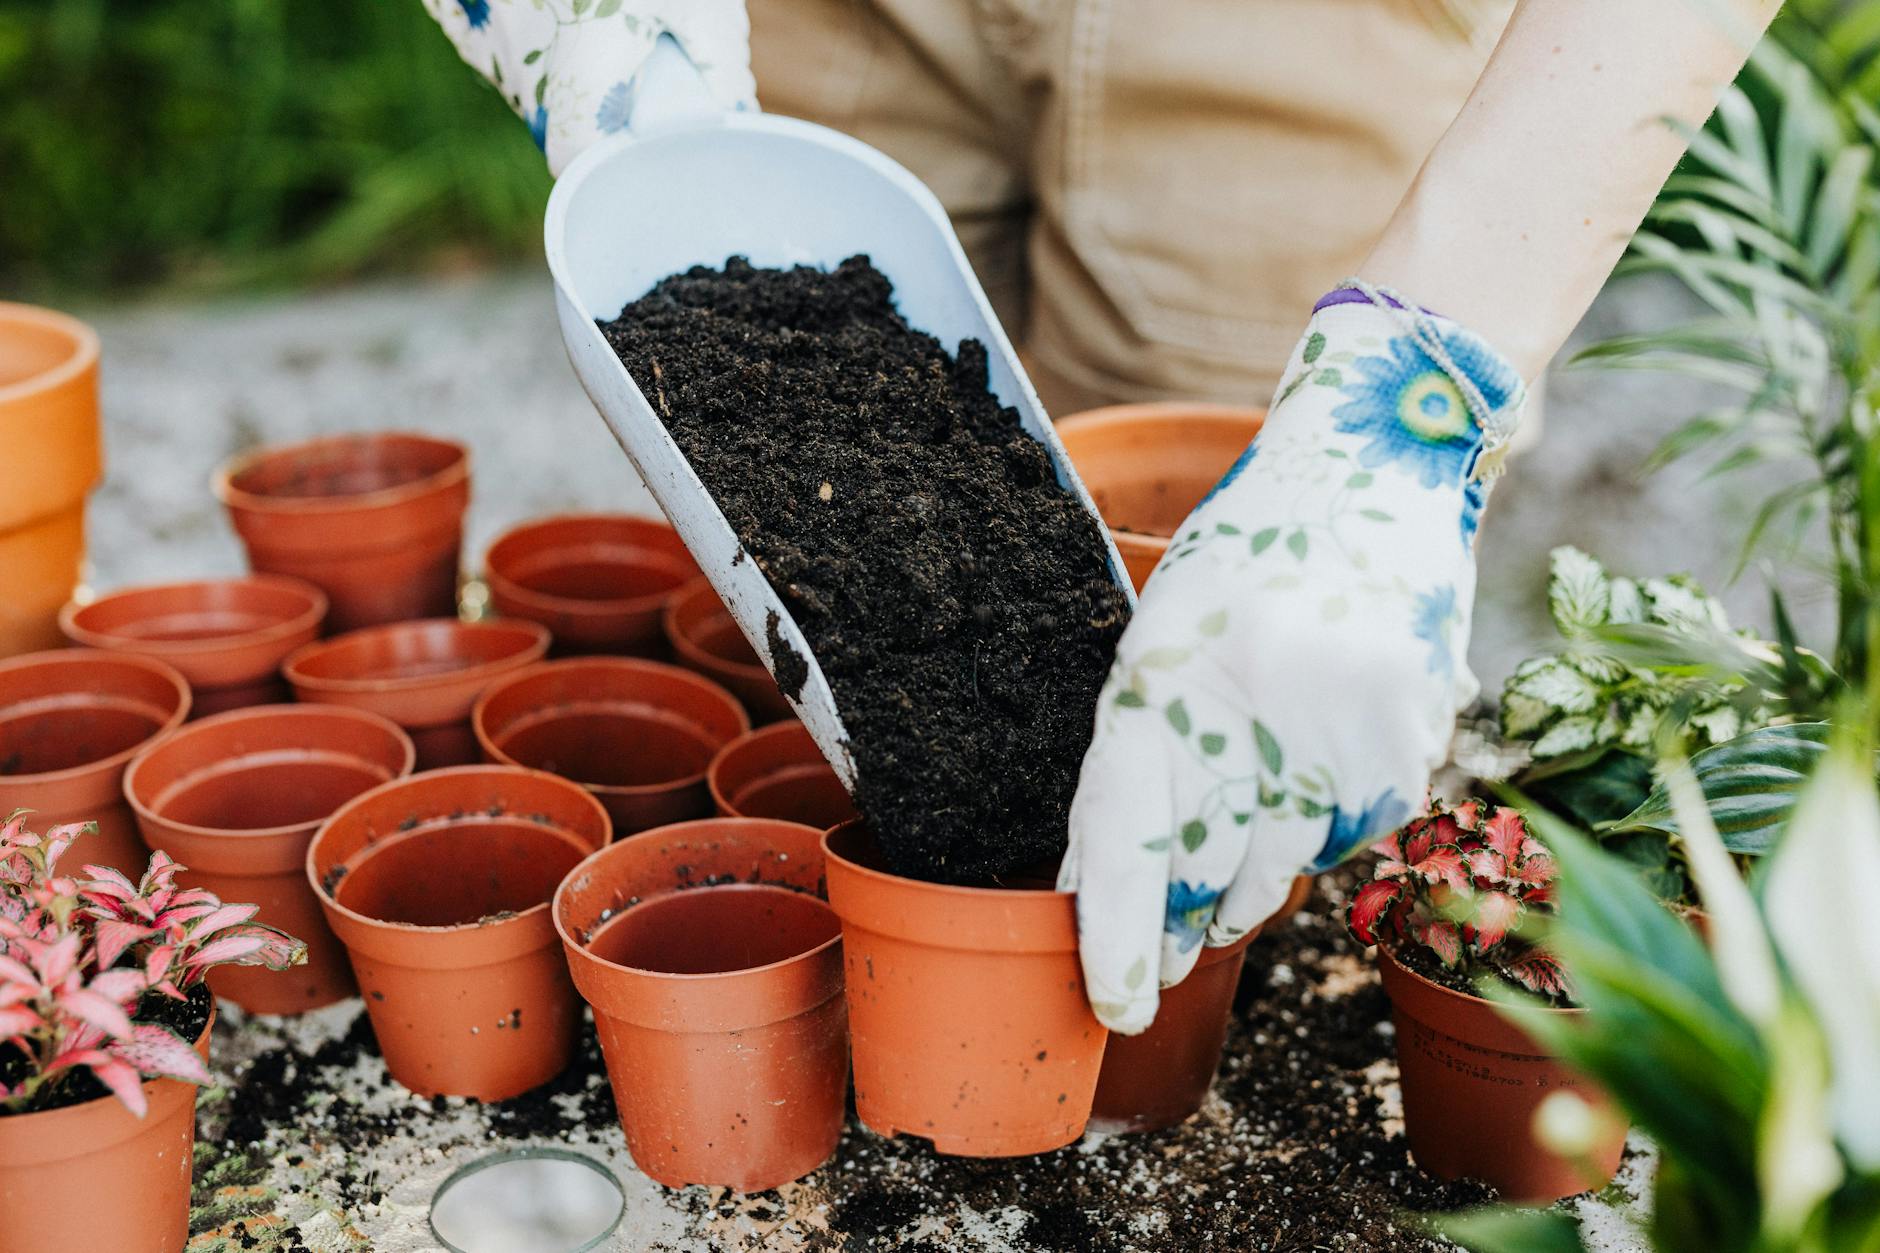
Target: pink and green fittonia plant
<point>78,954</point>
<point>1458,883</point>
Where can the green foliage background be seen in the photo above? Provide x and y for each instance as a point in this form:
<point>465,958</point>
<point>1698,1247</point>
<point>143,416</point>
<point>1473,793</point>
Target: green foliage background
<point>220,142</point>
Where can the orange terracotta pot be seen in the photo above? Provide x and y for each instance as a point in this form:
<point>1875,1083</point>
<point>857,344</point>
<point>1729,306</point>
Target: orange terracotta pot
<point>373,520</point>
<point>1148,466</point>
<point>97,1177</point>
<point>71,720</point>
<point>438,886</point>
<point>598,581</point>
<point>49,437</point>
<point>228,637</point>
<point>425,676</point>
<point>778,772</point>
<point>967,1012</point>
<point>638,734</point>
<point>719,1008</point>
<point>236,798</point>
<point>1471,1083</point>
<point>706,639</point>
<point>1160,1077</point>
<point>1294,902</point>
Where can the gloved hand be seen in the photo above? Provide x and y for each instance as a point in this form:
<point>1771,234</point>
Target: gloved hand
<point>1295,668</point>
<point>571,68</point>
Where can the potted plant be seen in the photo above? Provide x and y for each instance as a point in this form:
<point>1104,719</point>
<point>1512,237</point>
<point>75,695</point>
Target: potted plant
<point>373,520</point>
<point>778,772</point>
<point>48,428</point>
<point>598,581</point>
<point>104,1025</point>
<point>1446,910</point>
<point>705,638</point>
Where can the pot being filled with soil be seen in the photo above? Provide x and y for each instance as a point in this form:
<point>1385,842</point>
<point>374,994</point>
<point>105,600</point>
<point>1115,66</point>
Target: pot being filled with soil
<point>228,637</point>
<point>94,1176</point>
<point>967,1012</point>
<point>425,676</point>
<point>49,435</point>
<point>438,886</point>
<point>638,734</point>
<point>778,772</point>
<point>704,637</point>
<point>715,975</point>
<point>236,798</point>
<point>599,581</point>
<point>1147,466</point>
<point>71,720</point>
<point>373,520</point>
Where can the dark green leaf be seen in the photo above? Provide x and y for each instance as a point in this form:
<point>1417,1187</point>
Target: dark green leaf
<point>1510,1230</point>
<point>1194,834</point>
<point>1177,715</point>
<point>1130,699</point>
<point>1602,790</point>
<point>1263,540</point>
<point>1213,743</point>
<point>1751,784</point>
<point>1315,344</point>
<point>1270,753</point>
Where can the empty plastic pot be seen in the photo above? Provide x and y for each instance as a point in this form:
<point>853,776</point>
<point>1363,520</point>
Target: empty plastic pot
<point>438,886</point>
<point>373,520</point>
<point>228,637</point>
<point>598,581</point>
<point>425,676</point>
<point>705,638</point>
<point>237,797</point>
<point>71,720</point>
<point>778,772</point>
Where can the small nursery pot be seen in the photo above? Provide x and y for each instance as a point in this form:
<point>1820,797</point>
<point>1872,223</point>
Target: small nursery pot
<point>719,1007</point>
<point>705,638</point>
<point>373,520</point>
<point>438,886</point>
<point>228,637</point>
<point>967,1012</point>
<point>1148,466</point>
<point>236,798</point>
<point>1471,1083</point>
<point>638,734</point>
<point>1160,1077</point>
<point>425,676</point>
<point>96,1176</point>
<point>598,581</point>
<point>778,772</point>
<point>49,438</point>
<point>71,720</point>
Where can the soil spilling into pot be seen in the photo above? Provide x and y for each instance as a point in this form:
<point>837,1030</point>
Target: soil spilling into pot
<point>958,598</point>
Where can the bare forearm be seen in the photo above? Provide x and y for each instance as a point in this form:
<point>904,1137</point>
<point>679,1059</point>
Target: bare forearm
<point>1528,201</point>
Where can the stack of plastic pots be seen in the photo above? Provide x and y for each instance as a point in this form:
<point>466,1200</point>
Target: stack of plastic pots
<point>598,581</point>
<point>778,772</point>
<point>706,638</point>
<point>50,443</point>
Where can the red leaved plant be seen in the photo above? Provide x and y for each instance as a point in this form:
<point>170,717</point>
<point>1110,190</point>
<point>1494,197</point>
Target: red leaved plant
<point>1458,883</point>
<point>79,953</point>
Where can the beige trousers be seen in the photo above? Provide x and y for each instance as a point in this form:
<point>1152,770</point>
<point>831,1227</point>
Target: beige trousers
<point>1154,192</point>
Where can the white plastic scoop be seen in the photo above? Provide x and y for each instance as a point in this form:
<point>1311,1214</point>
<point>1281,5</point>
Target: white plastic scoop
<point>635,208</point>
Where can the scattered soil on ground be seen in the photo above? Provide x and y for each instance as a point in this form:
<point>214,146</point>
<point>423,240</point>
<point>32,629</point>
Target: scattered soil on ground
<point>958,599</point>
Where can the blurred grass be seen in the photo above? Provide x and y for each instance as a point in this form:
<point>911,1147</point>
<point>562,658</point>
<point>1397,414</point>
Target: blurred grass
<point>238,142</point>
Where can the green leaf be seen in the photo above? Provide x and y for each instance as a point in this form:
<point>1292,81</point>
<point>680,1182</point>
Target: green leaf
<point>1158,845</point>
<point>1241,820</point>
<point>1138,971</point>
<point>1128,698</point>
<point>1226,528</point>
<point>1214,624</point>
<point>1603,790</point>
<point>1309,808</point>
<point>607,8</point>
<point>1165,658</point>
<point>1751,784</point>
<point>1376,515</point>
<point>1329,377</point>
<point>1177,715</point>
<point>1315,344</point>
<point>1506,1229</point>
<point>1270,754</point>
<point>1296,544</point>
<point>1579,592</point>
<point>1361,479</point>
<point>1194,834</point>
<point>533,57</point>
<point>1213,743</point>
<point>1263,540</point>
<point>541,88</point>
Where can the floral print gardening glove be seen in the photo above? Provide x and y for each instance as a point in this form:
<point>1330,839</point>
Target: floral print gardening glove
<point>1297,663</point>
<point>570,68</point>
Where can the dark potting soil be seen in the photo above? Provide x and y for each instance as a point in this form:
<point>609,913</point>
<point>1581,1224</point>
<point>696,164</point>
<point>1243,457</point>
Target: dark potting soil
<point>958,599</point>
<point>186,1018</point>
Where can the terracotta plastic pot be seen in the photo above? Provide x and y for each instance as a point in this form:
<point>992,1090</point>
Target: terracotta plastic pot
<point>236,798</point>
<point>778,772</point>
<point>49,439</point>
<point>719,1008</point>
<point>1294,902</point>
<point>638,734</point>
<point>598,581</point>
<point>1148,466</point>
<point>425,676</point>
<point>705,638</point>
<point>438,886</point>
<point>373,520</point>
<point>967,1012</point>
<point>1160,1077</point>
<point>1471,1083</point>
<point>228,637</point>
<point>70,722</point>
<point>96,1176</point>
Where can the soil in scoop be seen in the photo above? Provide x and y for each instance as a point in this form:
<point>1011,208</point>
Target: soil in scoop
<point>958,598</point>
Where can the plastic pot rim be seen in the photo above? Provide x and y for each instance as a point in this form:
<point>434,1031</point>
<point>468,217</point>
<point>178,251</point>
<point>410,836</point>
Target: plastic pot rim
<point>124,756</point>
<point>577,606</point>
<point>106,641</point>
<point>457,471</point>
<point>691,649</point>
<point>1465,1005</point>
<point>83,357</point>
<point>539,638</point>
